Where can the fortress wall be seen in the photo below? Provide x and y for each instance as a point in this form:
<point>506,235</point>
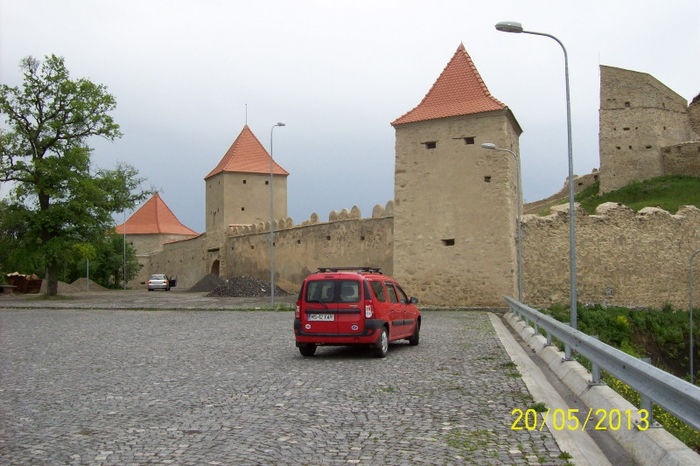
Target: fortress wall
<point>300,250</point>
<point>639,116</point>
<point>623,258</point>
<point>146,246</point>
<point>187,260</point>
<point>682,159</point>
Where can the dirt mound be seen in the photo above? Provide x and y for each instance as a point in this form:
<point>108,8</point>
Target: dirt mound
<point>82,285</point>
<point>207,283</point>
<point>245,287</point>
<point>63,287</point>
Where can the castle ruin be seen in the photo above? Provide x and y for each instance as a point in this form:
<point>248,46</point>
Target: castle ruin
<point>449,235</point>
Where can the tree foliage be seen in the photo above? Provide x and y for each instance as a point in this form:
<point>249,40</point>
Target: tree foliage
<point>107,259</point>
<point>56,199</point>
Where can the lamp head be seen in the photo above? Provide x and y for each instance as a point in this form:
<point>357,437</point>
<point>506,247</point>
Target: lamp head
<point>488,145</point>
<point>509,26</point>
<point>279,123</point>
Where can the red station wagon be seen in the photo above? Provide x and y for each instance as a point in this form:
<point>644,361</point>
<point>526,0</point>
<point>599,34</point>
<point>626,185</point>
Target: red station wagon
<point>354,306</point>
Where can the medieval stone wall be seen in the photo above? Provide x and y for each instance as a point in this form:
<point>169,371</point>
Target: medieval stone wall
<point>187,260</point>
<point>623,258</point>
<point>346,239</point>
<point>682,159</point>
<point>146,246</point>
<point>639,116</point>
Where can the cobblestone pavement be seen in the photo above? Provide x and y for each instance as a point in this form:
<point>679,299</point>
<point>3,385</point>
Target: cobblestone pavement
<point>207,387</point>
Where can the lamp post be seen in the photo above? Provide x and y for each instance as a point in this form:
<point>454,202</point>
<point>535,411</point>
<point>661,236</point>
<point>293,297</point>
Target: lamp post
<point>124,252</point>
<point>690,301</point>
<point>272,222</point>
<point>511,26</point>
<point>491,146</point>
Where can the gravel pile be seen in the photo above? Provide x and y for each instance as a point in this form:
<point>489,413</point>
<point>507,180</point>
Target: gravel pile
<point>207,283</point>
<point>245,287</point>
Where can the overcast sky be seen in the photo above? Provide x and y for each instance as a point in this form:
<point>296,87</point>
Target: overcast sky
<point>337,72</point>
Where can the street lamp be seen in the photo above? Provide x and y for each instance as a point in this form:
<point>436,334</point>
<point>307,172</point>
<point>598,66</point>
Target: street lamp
<point>511,26</point>
<point>491,146</point>
<point>272,223</point>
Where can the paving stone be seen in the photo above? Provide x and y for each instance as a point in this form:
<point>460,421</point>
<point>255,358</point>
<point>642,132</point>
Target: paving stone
<point>212,387</point>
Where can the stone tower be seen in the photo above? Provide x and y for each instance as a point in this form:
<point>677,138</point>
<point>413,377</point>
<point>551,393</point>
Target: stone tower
<point>455,205</point>
<point>238,188</point>
<point>639,116</point>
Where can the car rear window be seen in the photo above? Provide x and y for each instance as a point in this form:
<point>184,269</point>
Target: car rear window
<point>332,291</point>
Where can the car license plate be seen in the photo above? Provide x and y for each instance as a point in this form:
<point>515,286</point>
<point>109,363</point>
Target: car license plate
<point>321,317</point>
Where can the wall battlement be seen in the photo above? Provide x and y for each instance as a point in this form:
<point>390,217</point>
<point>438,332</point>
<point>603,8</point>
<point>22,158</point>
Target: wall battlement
<point>378,211</point>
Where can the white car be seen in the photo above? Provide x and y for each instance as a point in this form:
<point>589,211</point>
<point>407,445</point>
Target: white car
<point>158,281</point>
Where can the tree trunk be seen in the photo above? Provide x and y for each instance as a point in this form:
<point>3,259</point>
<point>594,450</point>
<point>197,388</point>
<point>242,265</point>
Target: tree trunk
<point>52,278</point>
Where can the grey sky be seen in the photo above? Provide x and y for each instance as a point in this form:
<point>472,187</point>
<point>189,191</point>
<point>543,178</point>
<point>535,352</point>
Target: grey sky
<point>337,73</point>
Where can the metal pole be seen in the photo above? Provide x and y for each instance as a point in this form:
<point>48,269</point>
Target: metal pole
<point>690,300</point>
<point>124,253</point>
<point>272,224</point>
<point>517,28</point>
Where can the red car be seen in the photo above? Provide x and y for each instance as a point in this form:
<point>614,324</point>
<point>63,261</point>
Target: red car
<point>354,306</point>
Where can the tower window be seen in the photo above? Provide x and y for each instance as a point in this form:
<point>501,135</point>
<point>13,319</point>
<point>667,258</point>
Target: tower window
<point>487,179</point>
<point>627,104</point>
<point>267,181</point>
<point>448,242</point>
<point>469,140</point>
<point>244,181</point>
<point>430,144</point>
<point>242,209</point>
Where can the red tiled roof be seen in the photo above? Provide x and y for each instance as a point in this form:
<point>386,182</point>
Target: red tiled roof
<point>247,155</point>
<point>459,90</point>
<point>153,218</point>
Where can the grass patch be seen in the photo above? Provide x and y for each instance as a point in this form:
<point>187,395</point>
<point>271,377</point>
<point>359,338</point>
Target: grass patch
<point>666,192</point>
<point>539,407</point>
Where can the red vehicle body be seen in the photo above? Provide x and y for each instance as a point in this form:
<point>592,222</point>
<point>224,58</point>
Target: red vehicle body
<point>354,306</point>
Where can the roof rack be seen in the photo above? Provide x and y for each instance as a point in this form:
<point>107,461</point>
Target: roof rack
<point>354,269</point>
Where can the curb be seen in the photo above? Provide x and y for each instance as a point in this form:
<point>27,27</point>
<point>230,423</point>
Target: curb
<point>654,446</point>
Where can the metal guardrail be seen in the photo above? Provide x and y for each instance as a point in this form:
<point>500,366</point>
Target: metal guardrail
<point>675,395</point>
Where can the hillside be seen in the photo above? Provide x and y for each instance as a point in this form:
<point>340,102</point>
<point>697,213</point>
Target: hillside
<point>666,192</point>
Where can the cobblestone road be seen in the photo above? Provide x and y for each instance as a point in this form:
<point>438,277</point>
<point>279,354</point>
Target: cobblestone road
<point>207,387</point>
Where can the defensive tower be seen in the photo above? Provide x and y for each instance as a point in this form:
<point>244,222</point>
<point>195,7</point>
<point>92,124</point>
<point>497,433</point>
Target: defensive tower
<point>454,202</point>
<point>238,188</point>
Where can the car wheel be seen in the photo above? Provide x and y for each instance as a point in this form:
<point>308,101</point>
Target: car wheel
<point>307,350</point>
<point>381,347</point>
<point>150,289</point>
<point>415,338</point>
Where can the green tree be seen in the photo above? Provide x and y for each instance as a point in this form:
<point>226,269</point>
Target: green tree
<point>107,259</point>
<point>45,158</point>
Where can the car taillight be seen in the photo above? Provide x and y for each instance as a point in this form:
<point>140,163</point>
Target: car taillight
<point>369,310</point>
<point>297,311</point>
<point>149,282</point>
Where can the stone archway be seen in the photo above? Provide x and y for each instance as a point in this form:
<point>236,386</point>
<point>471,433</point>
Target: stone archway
<point>215,268</point>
